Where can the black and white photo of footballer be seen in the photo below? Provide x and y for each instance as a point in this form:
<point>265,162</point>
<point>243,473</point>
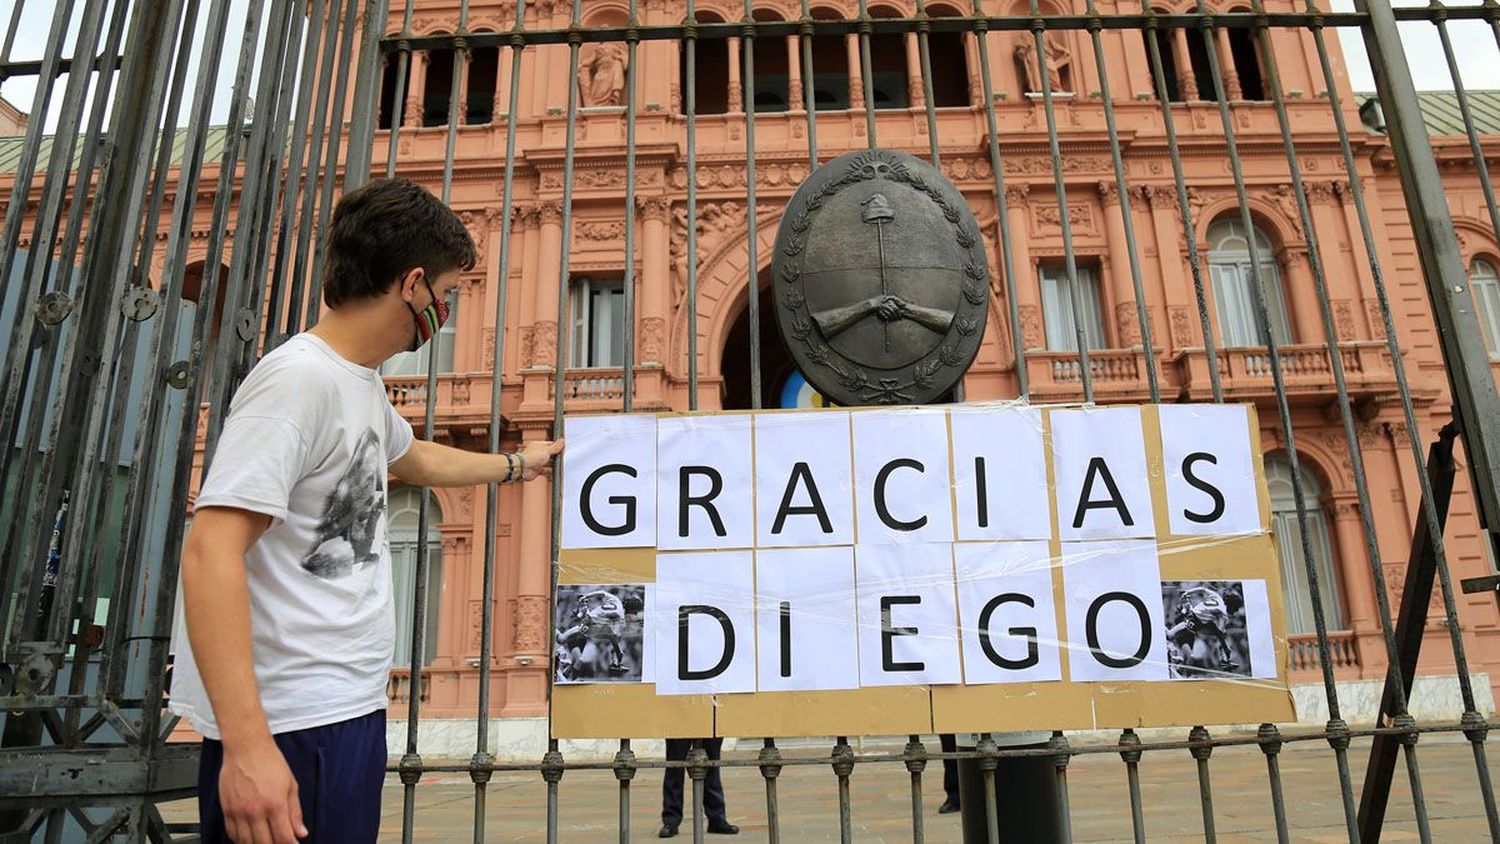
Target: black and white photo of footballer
<point>1206,628</point>
<point>599,635</point>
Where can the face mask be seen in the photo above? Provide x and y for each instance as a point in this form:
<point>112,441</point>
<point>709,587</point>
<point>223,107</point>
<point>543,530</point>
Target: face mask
<point>429,321</point>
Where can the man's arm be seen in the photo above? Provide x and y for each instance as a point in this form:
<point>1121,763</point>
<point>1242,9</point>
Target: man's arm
<point>256,789</point>
<point>432,464</point>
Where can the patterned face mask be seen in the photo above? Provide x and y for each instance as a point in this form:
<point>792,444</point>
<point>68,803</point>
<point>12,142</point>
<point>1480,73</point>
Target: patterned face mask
<point>430,320</point>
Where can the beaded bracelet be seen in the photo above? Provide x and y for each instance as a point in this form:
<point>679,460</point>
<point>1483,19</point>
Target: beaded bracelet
<point>510,470</point>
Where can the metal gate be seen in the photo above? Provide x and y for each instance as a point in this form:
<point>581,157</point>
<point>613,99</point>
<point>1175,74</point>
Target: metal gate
<point>114,336</point>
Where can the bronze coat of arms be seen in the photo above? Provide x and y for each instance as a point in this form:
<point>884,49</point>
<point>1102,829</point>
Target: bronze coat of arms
<point>880,279</point>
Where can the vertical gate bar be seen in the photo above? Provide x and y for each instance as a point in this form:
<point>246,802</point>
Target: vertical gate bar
<point>770,769</point>
<point>1336,729</point>
<point>924,60</point>
<point>867,80</point>
<point>632,45</point>
<point>988,763</point>
<point>23,174</point>
<point>690,101</point>
<point>1130,753</point>
<point>22,364</point>
<point>809,93</point>
<point>752,295</point>
<point>10,33</point>
<point>1070,260</point>
<point>455,87</point>
<point>318,45</point>
<point>1429,512</point>
<point>164,323</point>
<point>916,762</point>
<point>1122,190</point>
<point>559,384</point>
<point>73,233</point>
<point>1184,206</point>
<point>403,70</point>
<point>843,765</point>
<point>1467,361</point>
<point>625,772</point>
<point>1440,19</point>
<point>330,167</point>
<point>1356,456</point>
<point>1201,752</point>
<point>223,379</point>
<point>106,274</point>
<point>114,660</point>
<point>305,236</point>
<point>1409,746</point>
<point>697,757</point>
<point>1060,759</point>
<point>1007,254</point>
<point>479,771</point>
<point>367,85</point>
<point>1270,744</point>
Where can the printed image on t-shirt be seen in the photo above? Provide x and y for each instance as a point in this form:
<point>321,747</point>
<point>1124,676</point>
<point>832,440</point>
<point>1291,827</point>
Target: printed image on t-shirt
<point>352,513</point>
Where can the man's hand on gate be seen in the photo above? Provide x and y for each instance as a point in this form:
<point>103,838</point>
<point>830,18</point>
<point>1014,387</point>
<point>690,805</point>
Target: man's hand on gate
<point>258,796</point>
<point>538,457</point>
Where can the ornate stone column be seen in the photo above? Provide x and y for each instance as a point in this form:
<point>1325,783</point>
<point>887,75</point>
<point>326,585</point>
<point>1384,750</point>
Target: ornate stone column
<point>533,561</point>
<point>1226,66</point>
<point>1028,292</point>
<point>1305,319</point>
<point>1353,564</point>
<point>416,86</point>
<point>461,59</point>
<point>856,74</point>
<point>545,328</point>
<point>1187,81</point>
<point>916,95</point>
<point>1176,291</point>
<point>1118,279</point>
<point>794,72</point>
<point>1340,266</point>
<point>528,222</point>
<point>502,87</point>
<point>736,87</point>
<point>656,282</point>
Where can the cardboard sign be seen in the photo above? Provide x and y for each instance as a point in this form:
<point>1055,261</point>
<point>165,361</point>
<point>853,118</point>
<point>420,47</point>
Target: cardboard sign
<point>1018,567</point>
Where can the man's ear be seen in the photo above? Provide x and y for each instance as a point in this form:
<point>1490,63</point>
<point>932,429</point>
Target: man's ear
<point>407,285</point>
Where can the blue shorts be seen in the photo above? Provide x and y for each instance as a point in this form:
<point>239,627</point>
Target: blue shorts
<point>339,768</point>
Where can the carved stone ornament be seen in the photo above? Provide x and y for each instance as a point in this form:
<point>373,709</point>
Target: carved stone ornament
<point>881,280</point>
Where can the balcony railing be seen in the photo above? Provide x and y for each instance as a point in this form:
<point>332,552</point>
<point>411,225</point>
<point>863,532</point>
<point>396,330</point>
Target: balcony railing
<point>1306,368</point>
<point>398,687</point>
<point>1118,374</point>
<point>1343,651</point>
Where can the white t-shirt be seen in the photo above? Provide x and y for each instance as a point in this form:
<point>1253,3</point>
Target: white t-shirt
<point>307,442</point>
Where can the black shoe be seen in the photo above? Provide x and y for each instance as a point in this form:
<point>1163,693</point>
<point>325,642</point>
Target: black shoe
<point>668,830</point>
<point>948,807</point>
<point>719,826</point>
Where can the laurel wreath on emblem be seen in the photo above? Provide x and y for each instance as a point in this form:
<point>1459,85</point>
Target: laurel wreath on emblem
<point>975,288</point>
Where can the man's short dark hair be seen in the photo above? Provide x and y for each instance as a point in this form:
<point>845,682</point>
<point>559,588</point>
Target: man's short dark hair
<point>382,230</point>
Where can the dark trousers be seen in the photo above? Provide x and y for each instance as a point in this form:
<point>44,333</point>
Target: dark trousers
<point>950,767</point>
<point>339,768</point>
<point>671,784</point>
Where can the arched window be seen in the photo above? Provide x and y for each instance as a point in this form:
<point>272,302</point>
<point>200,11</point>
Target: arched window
<point>392,111</point>
<point>711,81</point>
<point>889,85</point>
<point>1287,529</point>
<point>830,82</point>
<point>484,74</point>
<point>438,89</point>
<point>772,73</point>
<point>949,56</point>
<point>1244,51</point>
<point>401,533</point>
<point>1486,284</point>
<point>1233,278</point>
<point>1168,63</point>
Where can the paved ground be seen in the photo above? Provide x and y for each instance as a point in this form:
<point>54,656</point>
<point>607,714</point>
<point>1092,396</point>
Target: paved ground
<point>881,800</point>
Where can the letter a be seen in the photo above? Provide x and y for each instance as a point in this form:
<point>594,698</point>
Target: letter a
<point>815,508</point>
<point>1086,501</point>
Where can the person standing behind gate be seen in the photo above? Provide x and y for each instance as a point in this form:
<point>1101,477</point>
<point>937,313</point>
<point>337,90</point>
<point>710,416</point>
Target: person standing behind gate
<point>286,573</point>
<point>713,790</point>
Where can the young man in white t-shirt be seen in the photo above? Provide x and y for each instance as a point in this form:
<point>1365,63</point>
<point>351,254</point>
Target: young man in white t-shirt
<point>286,574</point>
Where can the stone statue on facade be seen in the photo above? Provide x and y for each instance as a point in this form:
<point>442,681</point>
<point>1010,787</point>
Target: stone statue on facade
<point>601,75</point>
<point>1057,61</point>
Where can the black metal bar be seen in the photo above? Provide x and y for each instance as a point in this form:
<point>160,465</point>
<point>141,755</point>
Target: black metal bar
<point>752,246</point>
<point>1416,595</point>
<point>690,107</point>
<point>367,93</point>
